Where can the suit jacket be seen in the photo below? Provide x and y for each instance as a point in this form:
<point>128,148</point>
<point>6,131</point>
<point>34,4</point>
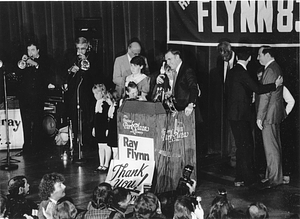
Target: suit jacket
<point>185,90</point>
<point>220,67</point>
<point>17,206</point>
<point>121,71</point>
<point>239,89</point>
<point>271,108</point>
<point>33,85</point>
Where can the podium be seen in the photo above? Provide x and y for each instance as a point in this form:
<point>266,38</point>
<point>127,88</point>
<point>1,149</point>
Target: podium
<point>147,132</point>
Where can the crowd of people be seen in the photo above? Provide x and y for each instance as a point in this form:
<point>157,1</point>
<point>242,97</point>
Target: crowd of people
<point>115,203</point>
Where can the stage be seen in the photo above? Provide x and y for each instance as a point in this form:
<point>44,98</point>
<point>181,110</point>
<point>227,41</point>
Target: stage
<point>81,180</point>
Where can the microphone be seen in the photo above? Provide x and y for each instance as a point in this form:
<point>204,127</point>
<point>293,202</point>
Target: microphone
<point>163,67</point>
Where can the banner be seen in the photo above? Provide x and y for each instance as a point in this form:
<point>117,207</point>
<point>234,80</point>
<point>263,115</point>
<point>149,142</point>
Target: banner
<point>15,127</point>
<point>136,148</point>
<point>243,23</point>
<point>132,175</point>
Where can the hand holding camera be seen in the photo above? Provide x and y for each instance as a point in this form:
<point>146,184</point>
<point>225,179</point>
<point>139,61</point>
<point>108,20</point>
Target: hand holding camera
<point>192,187</point>
<point>185,183</point>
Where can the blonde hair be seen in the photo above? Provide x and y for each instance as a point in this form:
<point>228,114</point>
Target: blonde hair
<point>99,88</point>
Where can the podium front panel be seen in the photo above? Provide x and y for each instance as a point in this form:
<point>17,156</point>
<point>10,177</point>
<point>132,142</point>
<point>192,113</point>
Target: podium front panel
<point>175,147</point>
<point>173,139</point>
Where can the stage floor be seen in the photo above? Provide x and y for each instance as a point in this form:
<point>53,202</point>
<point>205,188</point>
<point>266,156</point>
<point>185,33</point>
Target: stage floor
<point>81,179</point>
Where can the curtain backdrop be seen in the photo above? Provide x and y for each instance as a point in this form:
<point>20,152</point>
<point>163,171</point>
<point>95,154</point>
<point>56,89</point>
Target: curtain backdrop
<point>53,24</point>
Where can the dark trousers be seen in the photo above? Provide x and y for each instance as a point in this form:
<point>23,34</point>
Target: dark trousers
<point>241,131</point>
<point>32,127</point>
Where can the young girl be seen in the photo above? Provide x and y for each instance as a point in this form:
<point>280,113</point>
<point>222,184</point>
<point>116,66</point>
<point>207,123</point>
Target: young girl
<point>112,138</point>
<point>137,66</point>
<point>131,92</point>
<point>100,129</point>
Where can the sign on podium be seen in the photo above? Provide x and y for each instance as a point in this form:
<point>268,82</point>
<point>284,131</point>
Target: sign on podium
<point>146,132</point>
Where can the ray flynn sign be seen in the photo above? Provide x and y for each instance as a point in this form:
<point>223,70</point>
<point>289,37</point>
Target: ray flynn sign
<point>176,134</point>
<point>134,127</point>
<point>136,148</point>
<point>130,174</point>
<point>250,22</point>
<point>13,123</point>
<point>255,16</point>
<point>15,128</point>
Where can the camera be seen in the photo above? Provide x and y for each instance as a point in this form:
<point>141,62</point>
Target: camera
<point>182,188</point>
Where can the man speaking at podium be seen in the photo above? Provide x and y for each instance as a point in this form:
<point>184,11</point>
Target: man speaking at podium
<point>184,87</point>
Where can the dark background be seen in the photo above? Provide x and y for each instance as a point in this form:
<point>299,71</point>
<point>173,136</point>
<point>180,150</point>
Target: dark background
<point>54,24</point>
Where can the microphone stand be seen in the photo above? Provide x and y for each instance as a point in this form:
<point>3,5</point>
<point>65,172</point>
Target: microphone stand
<point>8,165</point>
<point>79,121</point>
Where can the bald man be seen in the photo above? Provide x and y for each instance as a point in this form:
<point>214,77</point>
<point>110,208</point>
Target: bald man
<point>122,65</point>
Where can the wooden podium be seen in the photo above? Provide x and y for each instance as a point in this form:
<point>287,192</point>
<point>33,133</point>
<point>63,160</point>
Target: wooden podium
<point>147,132</point>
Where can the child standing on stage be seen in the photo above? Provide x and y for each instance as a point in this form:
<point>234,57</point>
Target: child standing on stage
<point>112,138</point>
<point>131,92</point>
<point>100,130</point>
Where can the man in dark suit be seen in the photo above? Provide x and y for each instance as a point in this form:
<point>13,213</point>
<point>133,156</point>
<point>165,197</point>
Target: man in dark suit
<point>221,133</point>
<point>239,89</point>
<point>184,87</point>
<point>34,77</point>
<point>227,59</point>
<point>81,68</point>
<point>270,114</point>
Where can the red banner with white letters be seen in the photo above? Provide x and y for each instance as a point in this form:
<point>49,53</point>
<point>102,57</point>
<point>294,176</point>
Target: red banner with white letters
<point>243,23</point>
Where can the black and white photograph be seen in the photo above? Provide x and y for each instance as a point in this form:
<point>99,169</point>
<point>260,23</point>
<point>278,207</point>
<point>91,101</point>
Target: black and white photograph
<point>149,109</point>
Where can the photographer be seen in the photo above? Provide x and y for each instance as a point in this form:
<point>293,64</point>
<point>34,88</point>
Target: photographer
<point>188,207</point>
<point>182,202</point>
<point>187,204</point>
<point>186,185</point>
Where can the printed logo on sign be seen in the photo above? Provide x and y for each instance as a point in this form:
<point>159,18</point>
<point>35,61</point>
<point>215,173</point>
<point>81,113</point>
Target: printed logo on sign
<point>175,134</point>
<point>135,128</point>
